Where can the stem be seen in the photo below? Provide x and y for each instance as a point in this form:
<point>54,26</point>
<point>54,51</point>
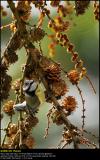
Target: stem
<point>90,83</point>
<point>20,129</point>
<point>4,139</point>
<point>5,26</point>
<point>14,11</point>
<point>76,142</point>
<point>48,126</point>
<point>40,48</point>
<point>14,140</point>
<point>67,142</point>
<point>83,102</point>
<point>61,141</point>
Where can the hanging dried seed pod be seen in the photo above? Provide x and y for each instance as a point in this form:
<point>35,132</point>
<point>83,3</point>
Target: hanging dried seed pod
<point>16,85</point>
<point>74,57</point>
<point>79,64</point>
<point>10,57</point>
<point>15,42</point>
<point>12,129</point>
<point>52,72</point>
<point>69,103</point>
<point>81,6</point>
<point>8,107</point>
<point>29,142</point>
<point>5,86</point>
<point>74,76</point>
<point>59,88</point>
<point>37,34</point>
<point>67,135</point>
<point>24,9</point>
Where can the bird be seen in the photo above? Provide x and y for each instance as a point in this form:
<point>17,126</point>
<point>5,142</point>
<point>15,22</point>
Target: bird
<point>32,102</point>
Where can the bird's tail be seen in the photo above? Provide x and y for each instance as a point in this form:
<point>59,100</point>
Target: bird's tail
<point>31,110</point>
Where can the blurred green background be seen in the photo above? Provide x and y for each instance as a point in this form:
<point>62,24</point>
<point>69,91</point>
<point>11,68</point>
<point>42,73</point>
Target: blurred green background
<point>85,35</point>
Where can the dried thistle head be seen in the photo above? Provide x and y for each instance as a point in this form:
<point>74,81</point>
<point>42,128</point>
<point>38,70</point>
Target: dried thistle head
<point>5,86</point>
<point>37,34</point>
<point>69,103</point>
<point>52,72</point>
<point>12,129</point>
<point>81,6</point>
<point>8,107</point>
<point>24,9</point>
<point>6,146</point>
<point>16,85</point>
<point>67,135</point>
<point>74,76</point>
<point>59,88</point>
<point>30,142</point>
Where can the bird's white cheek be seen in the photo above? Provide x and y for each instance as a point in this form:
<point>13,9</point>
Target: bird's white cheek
<point>33,87</point>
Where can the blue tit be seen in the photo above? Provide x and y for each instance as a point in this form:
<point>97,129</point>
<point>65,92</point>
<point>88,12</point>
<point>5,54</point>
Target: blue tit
<point>32,102</point>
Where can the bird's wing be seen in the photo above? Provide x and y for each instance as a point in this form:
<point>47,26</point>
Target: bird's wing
<point>20,106</point>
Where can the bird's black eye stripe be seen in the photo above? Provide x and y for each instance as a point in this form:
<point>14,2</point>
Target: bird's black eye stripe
<point>31,83</point>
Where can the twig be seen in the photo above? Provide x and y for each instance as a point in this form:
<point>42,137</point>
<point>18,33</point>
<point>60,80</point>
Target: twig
<point>14,140</point>
<point>6,130</point>
<point>61,141</point>
<point>20,129</point>
<point>5,26</point>
<point>48,125</point>
<point>76,142</point>
<point>14,11</point>
<point>90,83</point>
<point>83,102</point>
<point>84,140</point>
<point>40,48</point>
<point>93,135</point>
<point>67,142</point>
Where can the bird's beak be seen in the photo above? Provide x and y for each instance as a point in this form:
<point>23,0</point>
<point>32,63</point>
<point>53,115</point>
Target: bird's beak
<point>25,88</point>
